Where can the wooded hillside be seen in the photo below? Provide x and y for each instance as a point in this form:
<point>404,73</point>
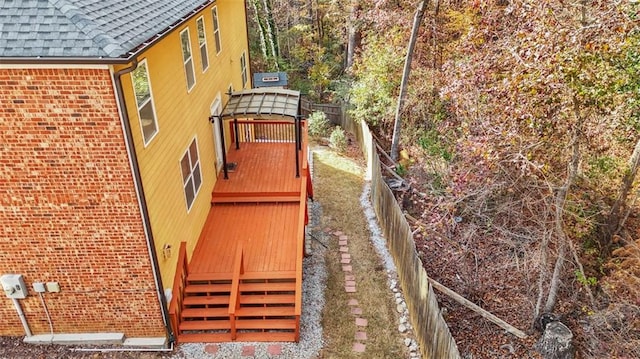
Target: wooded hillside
<point>520,132</point>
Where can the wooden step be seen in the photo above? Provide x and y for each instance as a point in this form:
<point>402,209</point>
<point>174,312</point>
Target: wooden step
<point>266,337</point>
<point>205,300</point>
<point>204,338</point>
<point>205,325</point>
<point>207,288</point>
<point>210,277</point>
<point>254,199</point>
<point>269,275</point>
<point>266,324</point>
<point>267,299</point>
<point>265,312</point>
<point>268,287</point>
<point>205,313</point>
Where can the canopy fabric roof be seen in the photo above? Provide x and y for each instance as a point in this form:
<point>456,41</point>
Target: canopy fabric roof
<point>264,103</point>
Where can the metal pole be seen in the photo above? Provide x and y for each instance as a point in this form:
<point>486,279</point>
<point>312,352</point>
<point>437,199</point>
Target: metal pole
<point>224,148</point>
<point>235,126</point>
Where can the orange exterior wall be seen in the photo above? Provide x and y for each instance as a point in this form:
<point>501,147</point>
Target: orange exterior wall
<point>68,208</point>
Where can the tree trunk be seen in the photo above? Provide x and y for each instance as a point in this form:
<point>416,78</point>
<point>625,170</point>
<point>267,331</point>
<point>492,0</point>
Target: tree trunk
<point>263,40</point>
<point>561,198</point>
<point>556,342</point>
<point>422,7</point>
<point>270,32</point>
<point>354,36</point>
<point>618,207</point>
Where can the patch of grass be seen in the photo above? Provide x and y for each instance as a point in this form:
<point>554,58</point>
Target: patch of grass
<point>338,185</point>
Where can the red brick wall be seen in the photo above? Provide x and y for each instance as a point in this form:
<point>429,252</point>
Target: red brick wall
<point>68,209</point>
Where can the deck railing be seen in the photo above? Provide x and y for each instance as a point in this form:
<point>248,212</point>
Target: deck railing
<point>302,218</point>
<point>179,284</point>
<point>238,269</point>
<point>262,131</point>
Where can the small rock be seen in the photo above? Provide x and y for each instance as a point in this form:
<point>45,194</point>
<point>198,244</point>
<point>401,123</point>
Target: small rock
<point>403,320</point>
<point>413,346</point>
<point>398,300</point>
<point>402,329</point>
<point>400,308</point>
<point>407,341</point>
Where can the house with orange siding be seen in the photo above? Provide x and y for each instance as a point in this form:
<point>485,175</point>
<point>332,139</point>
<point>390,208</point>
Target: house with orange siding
<point>108,162</point>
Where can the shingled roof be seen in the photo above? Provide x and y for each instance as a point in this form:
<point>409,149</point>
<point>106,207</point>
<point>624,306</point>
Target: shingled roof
<point>86,28</point>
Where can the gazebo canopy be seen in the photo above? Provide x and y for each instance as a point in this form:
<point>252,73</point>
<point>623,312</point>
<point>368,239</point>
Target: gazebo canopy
<point>264,103</point>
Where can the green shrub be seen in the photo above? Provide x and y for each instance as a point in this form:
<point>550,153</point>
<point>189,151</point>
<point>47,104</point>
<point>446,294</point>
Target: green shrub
<point>338,140</point>
<point>318,125</point>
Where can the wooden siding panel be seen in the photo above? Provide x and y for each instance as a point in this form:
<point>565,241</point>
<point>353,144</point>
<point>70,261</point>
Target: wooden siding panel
<point>182,115</point>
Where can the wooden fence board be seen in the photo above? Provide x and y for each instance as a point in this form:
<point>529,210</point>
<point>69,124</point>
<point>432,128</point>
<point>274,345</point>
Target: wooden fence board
<point>432,332</point>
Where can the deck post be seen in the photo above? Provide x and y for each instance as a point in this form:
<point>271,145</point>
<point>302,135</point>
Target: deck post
<point>296,125</point>
<point>224,148</point>
<point>235,134</point>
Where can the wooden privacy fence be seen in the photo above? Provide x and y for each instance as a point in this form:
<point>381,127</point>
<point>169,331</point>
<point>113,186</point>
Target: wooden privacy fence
<point>431,331</point>
<point>333,111</point>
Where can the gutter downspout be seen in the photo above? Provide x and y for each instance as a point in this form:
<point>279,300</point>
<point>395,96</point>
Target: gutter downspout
<point>137,178</point>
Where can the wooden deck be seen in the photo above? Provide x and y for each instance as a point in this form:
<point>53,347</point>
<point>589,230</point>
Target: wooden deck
<point>258,205</point>
<point>267,232</point>
<point>244,280</point>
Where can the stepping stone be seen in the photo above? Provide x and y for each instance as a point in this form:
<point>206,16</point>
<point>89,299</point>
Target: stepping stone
<point>361,335</point>
<point>356,311</point>
<point>274,349</point>
<point>337,233</point>
<point>350,289</point>
<point>350,283</point>
<point>359,347</point>
<point>342,243</point>
<point>211,348</point>
<point>347,268</point>
<point>361,322</point>
<point>346,255</point>
<point>352,302</point>
<point>344,249</point>
<point>248,351</point>
<point>345,260</point>
<point>349,277</point>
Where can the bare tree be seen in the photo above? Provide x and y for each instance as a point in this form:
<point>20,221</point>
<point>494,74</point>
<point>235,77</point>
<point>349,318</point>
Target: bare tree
<point>614,222</point>
<point>422,7</point>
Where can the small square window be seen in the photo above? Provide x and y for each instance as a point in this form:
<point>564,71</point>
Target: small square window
<point>216,29</point>
<point>191,174</point>
<point>144,102</point>
<point>187,59</point>
<point>202,43</point>
<point>243,69</point>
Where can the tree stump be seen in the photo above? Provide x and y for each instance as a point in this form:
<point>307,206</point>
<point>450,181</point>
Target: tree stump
<point>556,342</point>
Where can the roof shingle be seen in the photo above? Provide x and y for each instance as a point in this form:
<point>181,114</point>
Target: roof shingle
<point>85,28</point>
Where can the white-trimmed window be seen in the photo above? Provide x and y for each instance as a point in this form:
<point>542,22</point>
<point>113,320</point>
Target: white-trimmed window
<point>243,69</point>
<point>191,175</point>
<point>202,43</point>
<point>187,59</point>
<point>144,102</point>
<point>216,29</point>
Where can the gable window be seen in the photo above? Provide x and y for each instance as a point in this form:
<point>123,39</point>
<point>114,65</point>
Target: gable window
<point>243,69</point>
<point>202,43</point>
<point>144,102</point>
<point>187,59</point>
<point>191,176</point>
<point>216,29</point>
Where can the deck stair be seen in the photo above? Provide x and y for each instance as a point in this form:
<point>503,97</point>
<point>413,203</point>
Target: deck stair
<point>264,311</point>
